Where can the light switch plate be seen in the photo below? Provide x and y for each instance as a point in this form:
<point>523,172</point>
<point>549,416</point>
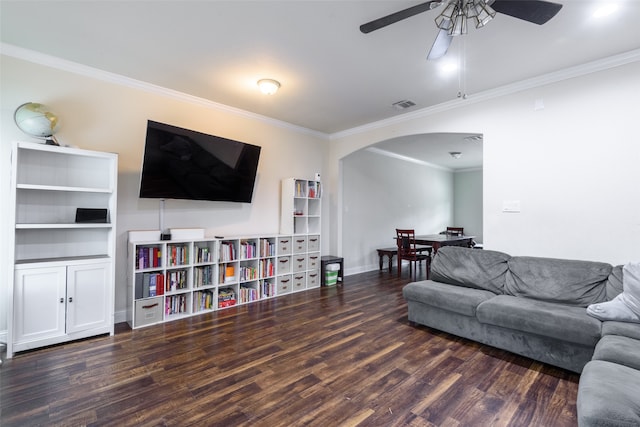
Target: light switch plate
<point>511,206</point>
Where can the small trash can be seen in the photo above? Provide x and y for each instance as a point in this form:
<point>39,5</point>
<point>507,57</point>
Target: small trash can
<point>331,274</point>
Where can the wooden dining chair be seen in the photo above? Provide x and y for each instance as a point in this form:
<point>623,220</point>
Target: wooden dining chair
<point>407,250</point>
<point>455,231</point>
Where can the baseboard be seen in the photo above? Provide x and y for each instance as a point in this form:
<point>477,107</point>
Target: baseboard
<point>120,316</point>
<point>360,269</point>
<point>4,336</point>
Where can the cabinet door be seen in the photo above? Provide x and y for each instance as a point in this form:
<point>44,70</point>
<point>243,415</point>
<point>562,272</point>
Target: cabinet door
<point>39,310</point>
<point>88,297</point>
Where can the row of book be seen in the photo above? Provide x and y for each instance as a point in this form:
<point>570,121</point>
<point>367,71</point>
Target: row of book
<point>312,190</point>
<point>176,279</point>
<point>248,273</point>
<point>226,297</point>
<point>267,268</point>
<point>148,257</point>
<point>268,288</point>
<point>202,300</point>
<point>248,294</point>
<point>203,255</point>
<point>177,255</point>
<point>267,248</point>
<point>149,285</point>
<point>227,251</point>
<point>203,276</point>
<point>176,304</point>
<point>248,249</point>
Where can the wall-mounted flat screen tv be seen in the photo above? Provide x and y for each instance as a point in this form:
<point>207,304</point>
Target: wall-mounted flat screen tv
<point>184,164</point>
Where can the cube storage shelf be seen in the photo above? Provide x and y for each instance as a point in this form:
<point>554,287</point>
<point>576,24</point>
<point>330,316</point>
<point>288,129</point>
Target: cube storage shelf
<point>175,279</point>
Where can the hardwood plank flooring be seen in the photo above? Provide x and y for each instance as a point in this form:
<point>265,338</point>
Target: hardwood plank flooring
<point>339,356</point>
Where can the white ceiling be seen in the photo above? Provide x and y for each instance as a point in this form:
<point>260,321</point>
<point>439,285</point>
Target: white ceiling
<point>333,77</point>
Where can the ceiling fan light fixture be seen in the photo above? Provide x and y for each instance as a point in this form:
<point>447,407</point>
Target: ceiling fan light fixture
<point>268,86</point>
<point>455,154</point>
<point>444,21</point>
<point>483,13</point>
<point>459,25</point>
<point>455,15</point>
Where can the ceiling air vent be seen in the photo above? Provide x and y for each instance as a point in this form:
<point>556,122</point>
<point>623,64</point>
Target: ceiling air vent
<point>473,138</point>
<point>403,105</point>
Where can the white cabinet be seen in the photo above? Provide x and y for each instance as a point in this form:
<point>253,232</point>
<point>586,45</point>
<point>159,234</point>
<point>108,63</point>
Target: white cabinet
<point>59,303</point>
<point>41,291</point>
<point>63,211</point>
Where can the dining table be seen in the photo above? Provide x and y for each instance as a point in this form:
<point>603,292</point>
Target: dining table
<point>438,240</point>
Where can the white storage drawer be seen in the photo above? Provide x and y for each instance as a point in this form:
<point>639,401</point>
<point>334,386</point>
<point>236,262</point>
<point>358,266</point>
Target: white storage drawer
<point>299,245</point>
<point>148,311</point>
<point>284,284</point>
<point>313,243</point>
<point>313,279</point>
<point>299,263</point>
<point>313,261</point>
<point>284,265</point>
<point>284,245</point>
<point>299,281</point>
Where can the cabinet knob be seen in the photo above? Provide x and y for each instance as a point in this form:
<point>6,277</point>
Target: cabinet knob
<point>70,299</point>
<point>61,300</point>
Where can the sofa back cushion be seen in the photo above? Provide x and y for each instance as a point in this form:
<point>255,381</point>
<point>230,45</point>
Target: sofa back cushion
<point>571,282</point>
<point>614,282</point>
<point>472,268</point>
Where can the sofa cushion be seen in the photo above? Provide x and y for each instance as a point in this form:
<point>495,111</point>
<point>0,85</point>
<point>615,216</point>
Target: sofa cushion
<point>613,284</point>
<point>571,282</point>
<point>625,329</point>
<point>621,350</point>
<point>472,268</point>
<point>608,395</point>
<point>457,299</point>
<point>543,318</point>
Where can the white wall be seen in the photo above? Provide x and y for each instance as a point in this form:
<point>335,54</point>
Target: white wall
<point>100,114</point>
<point>381,194</point>
<point>573,165</point>
<point>467,203</point>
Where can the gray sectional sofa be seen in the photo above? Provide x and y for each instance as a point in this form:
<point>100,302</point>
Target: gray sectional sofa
<point>536,307</point>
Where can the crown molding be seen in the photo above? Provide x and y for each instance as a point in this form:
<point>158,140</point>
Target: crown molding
<point>545,79</point>
<point>558,76</point>
<point>83,70</point>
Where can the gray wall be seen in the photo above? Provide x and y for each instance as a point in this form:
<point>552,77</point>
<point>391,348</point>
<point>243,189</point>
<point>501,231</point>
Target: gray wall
<point>467,202</point>
<point>381,194</point>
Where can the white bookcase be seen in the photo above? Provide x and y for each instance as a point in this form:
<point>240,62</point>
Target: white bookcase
<point>234,271</point>
<point>209,275</point>
<point>300,220</point>
<point>63,281</point>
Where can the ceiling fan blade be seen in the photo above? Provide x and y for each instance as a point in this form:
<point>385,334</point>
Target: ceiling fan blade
<point>440,45</point>
<point>398,16</point>
<point>536,11</point>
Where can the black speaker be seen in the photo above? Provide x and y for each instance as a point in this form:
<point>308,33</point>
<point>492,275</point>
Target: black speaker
<point>90,215</point>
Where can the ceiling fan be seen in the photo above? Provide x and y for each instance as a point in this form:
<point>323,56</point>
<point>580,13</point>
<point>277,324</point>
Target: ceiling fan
<point>452,21</point>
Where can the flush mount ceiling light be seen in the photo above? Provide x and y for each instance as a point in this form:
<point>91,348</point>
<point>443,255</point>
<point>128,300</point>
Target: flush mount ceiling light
<point>268,86</point>
<point>455,154</point>
<point>454,17</point>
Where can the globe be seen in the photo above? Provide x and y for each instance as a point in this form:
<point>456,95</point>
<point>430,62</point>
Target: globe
<point>37,120</point>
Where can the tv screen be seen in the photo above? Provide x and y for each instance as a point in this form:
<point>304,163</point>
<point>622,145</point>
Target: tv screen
<point>184,164</point>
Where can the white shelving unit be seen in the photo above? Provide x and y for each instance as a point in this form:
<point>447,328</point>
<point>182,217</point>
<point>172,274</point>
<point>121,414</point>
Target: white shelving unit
<point>63,286</point>
<point>300,221</point>
<point>210,274</point>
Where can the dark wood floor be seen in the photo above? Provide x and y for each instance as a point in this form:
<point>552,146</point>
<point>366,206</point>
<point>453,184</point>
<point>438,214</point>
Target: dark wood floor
<point>340,356</point>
